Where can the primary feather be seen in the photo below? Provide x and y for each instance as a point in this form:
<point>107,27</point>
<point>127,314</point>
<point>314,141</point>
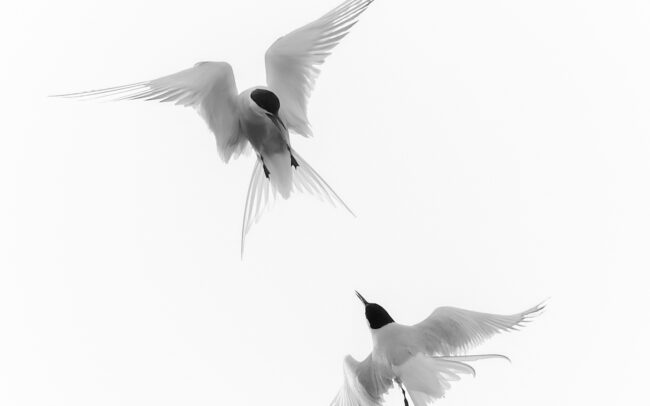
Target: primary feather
<point>362,384</point>
<point>292,61</point>
<point>450,330</point>
<point>209,87</point>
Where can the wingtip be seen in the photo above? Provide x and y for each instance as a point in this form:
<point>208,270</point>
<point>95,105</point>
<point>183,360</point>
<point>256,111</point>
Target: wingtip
<point>532,313</point>
<point>537,310</point>
<point>541,307</point>
<point>62,96</point>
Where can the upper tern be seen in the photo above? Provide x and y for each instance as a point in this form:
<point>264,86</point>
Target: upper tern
<point>261,116</point>
<point>423,358</point>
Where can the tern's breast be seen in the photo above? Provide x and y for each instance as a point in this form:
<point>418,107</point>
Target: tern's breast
<point>394,344</point>
<point>264,136</point>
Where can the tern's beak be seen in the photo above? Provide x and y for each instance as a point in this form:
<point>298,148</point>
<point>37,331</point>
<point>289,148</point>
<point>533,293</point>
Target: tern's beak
<point>278,122</point>
<point>365,302</point>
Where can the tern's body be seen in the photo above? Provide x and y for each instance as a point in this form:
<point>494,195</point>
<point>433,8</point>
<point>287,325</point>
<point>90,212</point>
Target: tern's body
<point>423,358</point>
<point>260,117</point>
<point>260,125</point>
<point>392,345</point>
<point>264,136</point>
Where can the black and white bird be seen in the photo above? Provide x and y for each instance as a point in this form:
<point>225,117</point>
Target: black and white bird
<point>423,358</point>
<point>262,116</point>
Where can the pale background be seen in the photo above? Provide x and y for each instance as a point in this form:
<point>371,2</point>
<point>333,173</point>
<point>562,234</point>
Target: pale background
<point>496,154</point>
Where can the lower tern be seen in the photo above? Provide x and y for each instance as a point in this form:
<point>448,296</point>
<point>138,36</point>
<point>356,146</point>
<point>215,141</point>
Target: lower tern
<point>262,116</point>
<point>423,358</point>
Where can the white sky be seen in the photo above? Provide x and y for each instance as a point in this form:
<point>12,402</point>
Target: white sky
<point>496,153</point>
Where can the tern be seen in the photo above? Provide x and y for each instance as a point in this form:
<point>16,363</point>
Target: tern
<point>423,358</point>
<point>261,117</point>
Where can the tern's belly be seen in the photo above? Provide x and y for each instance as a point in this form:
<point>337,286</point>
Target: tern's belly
<point>264,136</point>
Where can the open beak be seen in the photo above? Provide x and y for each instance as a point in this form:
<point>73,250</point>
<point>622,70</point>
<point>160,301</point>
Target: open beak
<point>365,302</point>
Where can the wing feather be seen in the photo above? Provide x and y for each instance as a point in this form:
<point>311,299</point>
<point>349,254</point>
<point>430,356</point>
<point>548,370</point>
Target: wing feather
<point>362,384</point>
<point>428,378</point>
<point>450,330</point>
<point>209,87</point>
<point>292,61</point>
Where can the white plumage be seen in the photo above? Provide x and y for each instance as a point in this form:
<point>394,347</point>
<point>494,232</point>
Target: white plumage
<point>250,118</point>
<point>423,358</point>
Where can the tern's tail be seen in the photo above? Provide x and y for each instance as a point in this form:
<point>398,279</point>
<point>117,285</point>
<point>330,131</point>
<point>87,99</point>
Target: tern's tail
<point>427,378</point>
<point>262,189</point>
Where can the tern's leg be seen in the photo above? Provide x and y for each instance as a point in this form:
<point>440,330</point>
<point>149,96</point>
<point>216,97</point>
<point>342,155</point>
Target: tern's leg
<point>406,402</point>
<point>266,170</point>
<point>294,163</point>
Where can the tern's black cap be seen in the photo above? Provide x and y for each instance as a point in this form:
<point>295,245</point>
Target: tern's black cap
<point>376,315</point>
<point>267,100</point>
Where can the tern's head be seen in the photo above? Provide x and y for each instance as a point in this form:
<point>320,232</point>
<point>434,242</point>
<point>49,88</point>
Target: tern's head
<point>266,101</point>
<point>376,315</point>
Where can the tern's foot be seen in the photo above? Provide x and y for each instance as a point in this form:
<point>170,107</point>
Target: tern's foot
<point>294,163</point>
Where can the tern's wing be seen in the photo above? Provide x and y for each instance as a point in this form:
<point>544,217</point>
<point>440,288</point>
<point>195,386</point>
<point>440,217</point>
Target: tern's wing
<point>362,384</point>
<point>292,62</point>
<point>209,87</point>
<point>427,378</point>
<point>449,330</point>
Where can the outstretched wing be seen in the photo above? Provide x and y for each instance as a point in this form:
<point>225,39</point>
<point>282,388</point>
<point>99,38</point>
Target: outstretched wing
<point>292,62</point>
<point>362,384</point>
<point>449,330</point>
<point>209,87</point>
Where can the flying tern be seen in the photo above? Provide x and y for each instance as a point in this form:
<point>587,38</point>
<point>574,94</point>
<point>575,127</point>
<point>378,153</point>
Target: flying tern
<point>423,358</point>
<point>261,117</point>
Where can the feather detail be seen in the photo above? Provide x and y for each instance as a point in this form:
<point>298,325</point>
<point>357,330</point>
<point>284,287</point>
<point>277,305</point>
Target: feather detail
<point>293,61</point>
<point>208,87</point>
<point>262,191</point>
<point>450,330</point>
<point>427,378</point>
